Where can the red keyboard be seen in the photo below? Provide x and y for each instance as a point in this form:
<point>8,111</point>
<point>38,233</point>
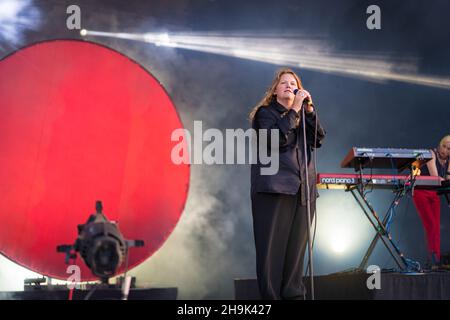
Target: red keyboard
<point>381,181</point>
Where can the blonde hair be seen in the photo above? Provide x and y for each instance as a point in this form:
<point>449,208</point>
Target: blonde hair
<point>444,140</point>
<point>269,96</point>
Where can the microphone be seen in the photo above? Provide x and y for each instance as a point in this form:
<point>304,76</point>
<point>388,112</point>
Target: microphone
<point>307,99</point>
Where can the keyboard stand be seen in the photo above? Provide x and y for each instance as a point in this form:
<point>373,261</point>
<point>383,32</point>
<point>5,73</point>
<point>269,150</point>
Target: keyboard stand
<point>445,190</point>
<point>381,227</point>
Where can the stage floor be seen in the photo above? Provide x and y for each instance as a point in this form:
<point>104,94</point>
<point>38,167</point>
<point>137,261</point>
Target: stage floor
<point>353,286</point>
<point>99,294</point>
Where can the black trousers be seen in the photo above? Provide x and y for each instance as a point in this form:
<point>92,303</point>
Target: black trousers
<point>280,229</point>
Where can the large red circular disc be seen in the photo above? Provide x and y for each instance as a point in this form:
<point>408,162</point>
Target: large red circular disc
<point>80,122</point>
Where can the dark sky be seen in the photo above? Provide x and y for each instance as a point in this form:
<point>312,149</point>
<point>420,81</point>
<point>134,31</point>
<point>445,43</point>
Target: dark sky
<point>213,243</point>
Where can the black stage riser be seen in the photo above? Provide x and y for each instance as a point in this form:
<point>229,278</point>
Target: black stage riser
<point>394,286</point>
<point>100,294</point>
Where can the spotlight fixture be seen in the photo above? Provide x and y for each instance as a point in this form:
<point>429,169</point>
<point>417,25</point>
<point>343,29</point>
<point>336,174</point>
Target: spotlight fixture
<point>100,244</point>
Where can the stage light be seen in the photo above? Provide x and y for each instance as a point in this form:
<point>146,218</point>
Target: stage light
<point>341,228</point>
<point>295,51</point>
<point>83,32</point>
<point>339,241</point>
<point>9,9</point>
<point>12,275</point>
<point>100,244</point>
<point>15,17</point>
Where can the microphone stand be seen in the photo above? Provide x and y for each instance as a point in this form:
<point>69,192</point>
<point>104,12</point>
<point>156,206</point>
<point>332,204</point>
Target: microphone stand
<point>308,206</point>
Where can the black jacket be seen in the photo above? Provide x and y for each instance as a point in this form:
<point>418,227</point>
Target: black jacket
<point>291,175</point>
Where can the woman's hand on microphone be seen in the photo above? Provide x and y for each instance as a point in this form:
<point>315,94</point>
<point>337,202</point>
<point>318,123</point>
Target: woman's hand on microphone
<point>300,99</point>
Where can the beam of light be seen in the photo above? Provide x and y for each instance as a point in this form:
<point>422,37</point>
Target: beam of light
<point>12,275</point>
<point>16,16</point>
<point>342,229</point>
<point>339,241</point>
<point>294,51</point>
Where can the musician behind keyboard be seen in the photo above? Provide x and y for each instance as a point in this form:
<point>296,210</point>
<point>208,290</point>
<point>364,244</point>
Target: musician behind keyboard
<point>428,203</point>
